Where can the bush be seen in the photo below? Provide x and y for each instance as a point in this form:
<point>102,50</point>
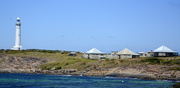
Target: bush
<point>176,85</point>
<point>176,61</point>
<point>172,62</point>
<point>152,60</point>
<point>48,66</point>
<point>67,64</point>
<point>175,68</point>
<point>45,67</point>
<point>84,63</point>
<point>112,60</point>
<point>107,59</point>
<point>57,68</point>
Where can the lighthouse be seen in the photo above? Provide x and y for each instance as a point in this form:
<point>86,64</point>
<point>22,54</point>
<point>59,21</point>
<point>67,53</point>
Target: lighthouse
<point>18,35</point>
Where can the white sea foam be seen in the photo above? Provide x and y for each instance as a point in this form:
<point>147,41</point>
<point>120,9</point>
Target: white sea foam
<point>81,75</point>
<point>66,75</point>
<point>109,77</point>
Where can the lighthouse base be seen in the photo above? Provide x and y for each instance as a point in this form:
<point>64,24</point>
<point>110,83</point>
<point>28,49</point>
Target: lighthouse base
<point>17,48</point>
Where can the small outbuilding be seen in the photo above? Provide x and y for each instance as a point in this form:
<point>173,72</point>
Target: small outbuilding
<point>72,54</point>
<point>143,54</point>
<point>164,51</point>
<point>94,54</point>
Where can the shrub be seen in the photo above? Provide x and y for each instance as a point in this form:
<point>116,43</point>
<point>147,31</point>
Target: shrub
<point>172,62</point>
<point>67,64</point>
<point>152,60</point>
<point>84,63</point>
<point>169,62</point>
<point>176,61</point>
<point>107,59</point>
<point>45,67</point>
<point>176,85</point>
<point>112,60</point>
<point>57,68</point>
<point>175,68</point>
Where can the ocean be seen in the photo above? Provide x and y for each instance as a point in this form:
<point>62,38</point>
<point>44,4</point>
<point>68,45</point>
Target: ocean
<point>22,80</point>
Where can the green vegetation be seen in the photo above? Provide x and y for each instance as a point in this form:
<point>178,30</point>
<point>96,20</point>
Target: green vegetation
<point>176,85</point>
<point>152,60</point>
<point>61,60</point>
<point>161,61</point>
<point>83,63</point>
<point>58,59</point>
<point>71,63</point>
<point>175,68</point>
<point>57,68</point>
<point>32,50</point>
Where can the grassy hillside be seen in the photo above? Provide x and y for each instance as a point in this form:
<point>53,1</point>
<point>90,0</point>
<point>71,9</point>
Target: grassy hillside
<point>58,59</point>
<point>61,60</point>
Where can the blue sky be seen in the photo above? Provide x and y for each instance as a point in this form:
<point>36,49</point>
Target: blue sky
<point>79,25</point>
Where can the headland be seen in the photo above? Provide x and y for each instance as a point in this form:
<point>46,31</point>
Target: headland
<point>58,62</point>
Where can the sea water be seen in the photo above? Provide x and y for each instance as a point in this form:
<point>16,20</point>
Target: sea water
<point>21,80</point>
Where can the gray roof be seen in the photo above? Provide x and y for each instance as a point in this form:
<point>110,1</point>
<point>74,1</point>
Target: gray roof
<point>163,49</point>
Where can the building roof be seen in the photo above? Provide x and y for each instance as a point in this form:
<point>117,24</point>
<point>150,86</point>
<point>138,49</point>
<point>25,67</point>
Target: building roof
<point>135,54</point>
<point>163,49</point>
<point>125,51</point>
<point>94,51</point>
<point>72,53</point>
<point>141,52</point>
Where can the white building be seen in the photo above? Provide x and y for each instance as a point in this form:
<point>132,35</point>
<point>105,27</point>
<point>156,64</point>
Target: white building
<point>143,54</point>
<point>18,36</point>
<point>164,51</point>
<point>94,54</point>
<point>126,53</point>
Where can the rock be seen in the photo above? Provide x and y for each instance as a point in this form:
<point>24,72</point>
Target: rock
<point>14,64</point>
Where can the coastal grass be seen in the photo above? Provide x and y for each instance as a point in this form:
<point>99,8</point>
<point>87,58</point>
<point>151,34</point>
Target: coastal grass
<point>62,60</point>
<point>161,61</point>
<point>57,59</point>
<point>69,63</point>
<point>176,85</point>
<point>152,60</point>
<point>167,61</point>
<point>58,55</point>
<point>174,68</point>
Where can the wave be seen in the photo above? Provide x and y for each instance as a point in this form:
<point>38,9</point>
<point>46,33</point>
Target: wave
<point>109,77</point>
<point>66,75</point>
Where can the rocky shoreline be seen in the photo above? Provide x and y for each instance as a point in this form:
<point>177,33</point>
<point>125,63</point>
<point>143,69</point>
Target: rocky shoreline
<point>14,64</point>
<point>95,73</point>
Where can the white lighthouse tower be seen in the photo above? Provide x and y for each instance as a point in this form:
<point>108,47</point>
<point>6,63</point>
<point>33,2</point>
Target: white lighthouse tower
<point>18,36</point>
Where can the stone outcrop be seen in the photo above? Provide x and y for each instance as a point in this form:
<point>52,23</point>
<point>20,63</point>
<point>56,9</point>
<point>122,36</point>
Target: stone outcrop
<point>138,71</point>
<point>20,64</point>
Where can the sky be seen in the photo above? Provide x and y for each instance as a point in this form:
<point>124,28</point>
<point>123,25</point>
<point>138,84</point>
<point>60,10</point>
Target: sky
<point>80,25</point>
